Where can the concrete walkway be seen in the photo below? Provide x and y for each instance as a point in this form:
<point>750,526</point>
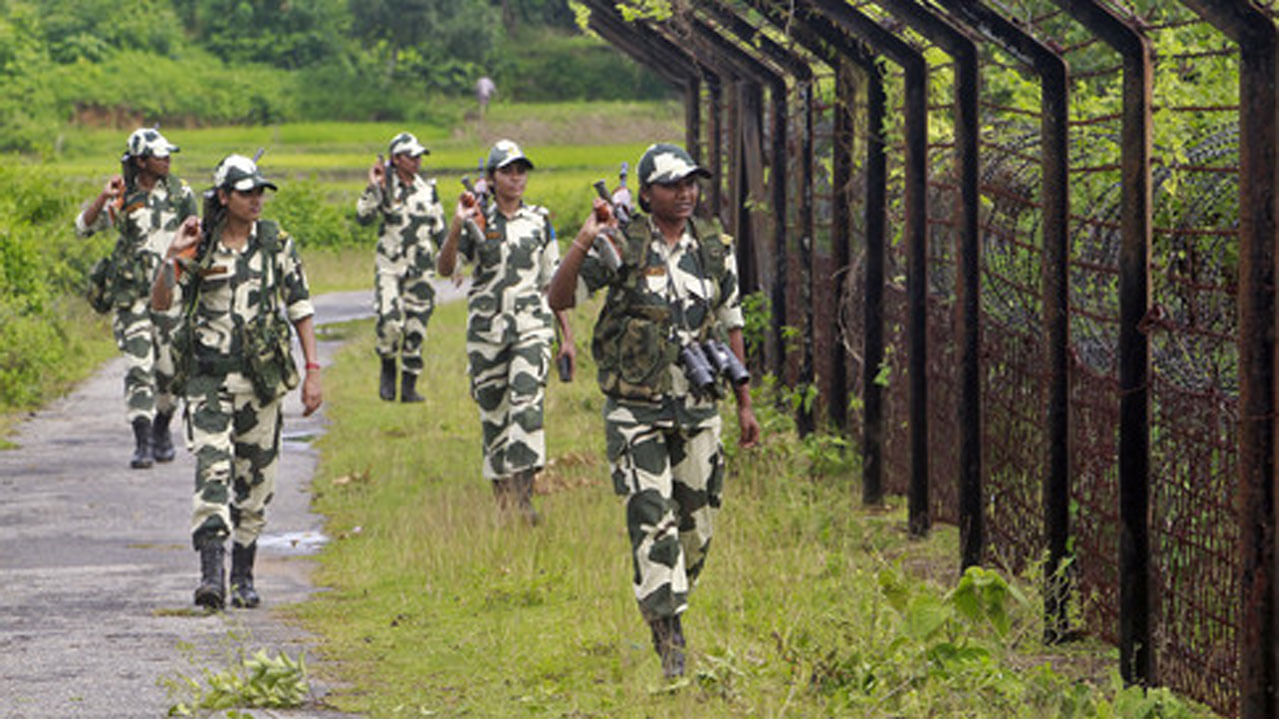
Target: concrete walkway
<point>96,565</point>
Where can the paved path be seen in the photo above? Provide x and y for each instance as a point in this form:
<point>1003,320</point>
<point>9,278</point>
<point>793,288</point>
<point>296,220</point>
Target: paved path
<point>96,566</point>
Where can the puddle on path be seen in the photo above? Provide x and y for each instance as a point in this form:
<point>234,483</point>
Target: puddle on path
<point>293,543</point>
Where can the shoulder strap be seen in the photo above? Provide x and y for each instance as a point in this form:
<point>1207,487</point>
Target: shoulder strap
<point>269,235</point>
<point>713,244</point>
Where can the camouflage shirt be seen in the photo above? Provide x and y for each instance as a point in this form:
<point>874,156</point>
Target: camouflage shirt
<point>413,224</point>
<point>146,221</point>
<point>698,297</point>
<point>514,263</point>
<point>230,286</point>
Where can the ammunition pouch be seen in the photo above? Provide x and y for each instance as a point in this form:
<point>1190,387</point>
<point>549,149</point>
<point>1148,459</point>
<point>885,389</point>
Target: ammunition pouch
<point>98,293</point>
<point>116,280</point>
<point>268,356</point>
<point>268,352</point>
<point>633,351</point>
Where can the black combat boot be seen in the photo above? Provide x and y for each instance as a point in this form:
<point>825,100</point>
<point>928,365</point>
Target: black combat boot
<point>407,392</point>
<point>387,381</point>
<point>668,640</point>
<point>161,440</point>
<point>242,592</point>
<point>212,593</point>
<point>142,448</point>
<point>523,489</point>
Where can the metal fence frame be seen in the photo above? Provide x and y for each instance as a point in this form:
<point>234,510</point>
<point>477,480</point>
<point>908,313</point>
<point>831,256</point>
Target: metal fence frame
<point>690,52</point>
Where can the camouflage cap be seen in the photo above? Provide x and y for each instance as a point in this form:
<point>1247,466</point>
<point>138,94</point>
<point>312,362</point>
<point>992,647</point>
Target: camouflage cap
<point>667,163</point>
<point>406,143</point>
<point>503,153</point>
<point>149,142</point>
<point>237,172</point>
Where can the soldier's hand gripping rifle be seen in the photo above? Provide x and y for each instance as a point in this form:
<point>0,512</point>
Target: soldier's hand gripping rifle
<point>387,170</point>
<point>479,200</point>
<point>606,245</point>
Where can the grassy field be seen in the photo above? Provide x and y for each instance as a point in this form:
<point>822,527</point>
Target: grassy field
<point>811,605</point>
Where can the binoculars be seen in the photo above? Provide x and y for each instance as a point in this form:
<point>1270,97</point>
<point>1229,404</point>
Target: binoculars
<point>706,362</point>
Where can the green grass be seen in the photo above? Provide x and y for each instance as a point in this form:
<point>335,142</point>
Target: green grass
<point>810,605</point>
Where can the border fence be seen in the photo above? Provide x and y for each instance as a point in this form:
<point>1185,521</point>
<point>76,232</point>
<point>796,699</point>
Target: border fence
<point>1024,253</point>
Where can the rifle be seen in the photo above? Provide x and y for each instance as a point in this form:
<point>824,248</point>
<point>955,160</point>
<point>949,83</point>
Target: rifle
<point>606,243</point>
<point>471,198</point>
<point>387,169</point>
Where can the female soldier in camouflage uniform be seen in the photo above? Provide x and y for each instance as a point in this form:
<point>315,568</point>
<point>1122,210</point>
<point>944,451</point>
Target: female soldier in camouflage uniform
<point>674,285</point>
<point>509,331</point>
<point>235,273</point>
<point>146,205</point>
<point>412,228</point>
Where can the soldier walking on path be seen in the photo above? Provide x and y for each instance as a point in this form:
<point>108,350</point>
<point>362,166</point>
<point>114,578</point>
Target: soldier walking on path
<point>411,230</point>
<point>509,325</point>
<point>237,273</point>
<point>659,344</point>
<point>146,204</point>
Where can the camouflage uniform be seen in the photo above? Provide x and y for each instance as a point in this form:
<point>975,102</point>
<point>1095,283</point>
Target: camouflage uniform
<point>413,227</point>
<point>146,223</point>
<point>662,441</point>
<point>234,434</point>
<point>509,334</point>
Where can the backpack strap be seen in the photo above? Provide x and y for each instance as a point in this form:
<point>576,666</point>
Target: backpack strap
<point>713,245</point>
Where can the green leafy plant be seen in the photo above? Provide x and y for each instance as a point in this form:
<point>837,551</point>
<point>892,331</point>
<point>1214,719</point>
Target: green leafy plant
<point>259,680</point>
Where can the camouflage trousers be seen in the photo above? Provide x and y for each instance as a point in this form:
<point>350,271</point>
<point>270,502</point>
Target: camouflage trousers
<point>508,383</point>
<point>403,303</point>
<point>672,479</point>
<point>236,441</point>
<point>143,336</point>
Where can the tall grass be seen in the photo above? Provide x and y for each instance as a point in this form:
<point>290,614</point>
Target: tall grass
<point>436,604</point>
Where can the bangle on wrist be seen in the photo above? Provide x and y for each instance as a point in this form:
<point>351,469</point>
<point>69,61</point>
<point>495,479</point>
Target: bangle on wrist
<point>313,366</point>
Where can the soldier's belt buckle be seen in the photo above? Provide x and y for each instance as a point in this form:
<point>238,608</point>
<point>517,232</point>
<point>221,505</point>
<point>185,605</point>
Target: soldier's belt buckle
<point>655,270</point>
<point>213,271</point>
<point>492,234</point>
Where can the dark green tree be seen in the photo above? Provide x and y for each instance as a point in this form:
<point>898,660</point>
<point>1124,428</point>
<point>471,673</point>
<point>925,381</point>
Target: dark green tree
<point>286,33</point>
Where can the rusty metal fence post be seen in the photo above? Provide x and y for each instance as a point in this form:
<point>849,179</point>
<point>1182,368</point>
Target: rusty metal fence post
<point>1137,659</point>
<point>800,70</point>
<point>1055,493</point>
<point>1255,32</point>
<point>916,111</point>
<point>969,416</point>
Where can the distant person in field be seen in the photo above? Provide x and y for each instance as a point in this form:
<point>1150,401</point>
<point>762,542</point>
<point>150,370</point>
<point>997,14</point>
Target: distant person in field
<point>485,90</point>
<point>244,286</point>
<point>663,363</point>
<point>145,204</point>
<point>509,326</point>
<point>411,228</point>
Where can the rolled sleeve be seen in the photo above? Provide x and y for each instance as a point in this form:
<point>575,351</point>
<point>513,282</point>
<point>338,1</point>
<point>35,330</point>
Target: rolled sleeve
<point>368,203</point>
<point>293,287</point>
<point>84,230</point>
<point>729,312</point>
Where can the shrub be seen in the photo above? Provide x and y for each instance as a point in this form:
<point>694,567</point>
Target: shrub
<point>314,221</point>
